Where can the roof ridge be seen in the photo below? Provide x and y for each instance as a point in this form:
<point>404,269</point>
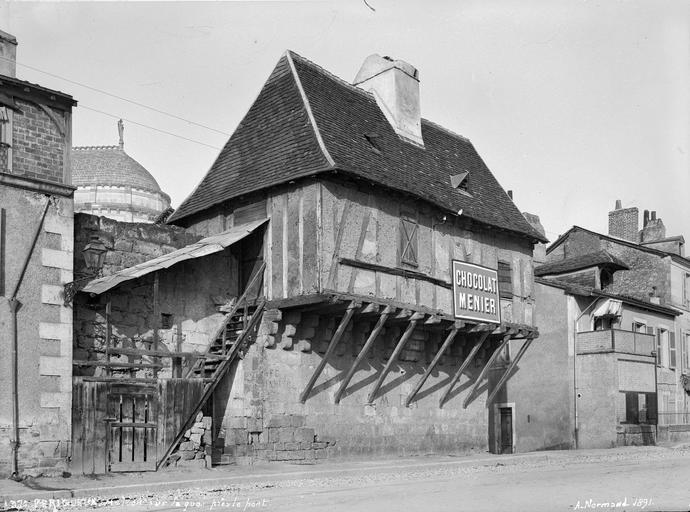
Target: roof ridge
<point>447,130</point>
<point>86,148</point>
<point>330,74</point>
<point>307,106</point>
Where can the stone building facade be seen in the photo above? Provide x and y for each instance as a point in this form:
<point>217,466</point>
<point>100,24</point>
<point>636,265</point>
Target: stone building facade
<point>657,271</point>
<point>36,253</point>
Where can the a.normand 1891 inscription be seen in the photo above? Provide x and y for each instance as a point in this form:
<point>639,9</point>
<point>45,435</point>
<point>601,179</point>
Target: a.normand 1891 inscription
<point>475,293</point>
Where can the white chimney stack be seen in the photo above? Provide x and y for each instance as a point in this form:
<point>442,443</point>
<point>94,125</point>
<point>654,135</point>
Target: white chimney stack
<point>8,54</point>
<point>395,85</point>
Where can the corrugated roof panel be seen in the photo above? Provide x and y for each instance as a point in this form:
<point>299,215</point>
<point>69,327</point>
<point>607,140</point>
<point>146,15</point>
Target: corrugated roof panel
<point>204,247</point>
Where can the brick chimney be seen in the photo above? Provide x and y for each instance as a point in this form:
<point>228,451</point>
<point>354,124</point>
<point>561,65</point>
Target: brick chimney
<point>8,54</point>
<point>395,85</point>
<point>653,229</point>
<point>539,253</point>
<point>624,222</point>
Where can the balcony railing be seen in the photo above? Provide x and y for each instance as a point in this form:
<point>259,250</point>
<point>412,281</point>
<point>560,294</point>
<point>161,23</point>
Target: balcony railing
<point>615,340</point>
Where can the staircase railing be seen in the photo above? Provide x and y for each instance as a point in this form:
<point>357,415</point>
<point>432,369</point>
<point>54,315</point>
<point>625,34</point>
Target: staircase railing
<point>211,386</point>
<point>220,331</point>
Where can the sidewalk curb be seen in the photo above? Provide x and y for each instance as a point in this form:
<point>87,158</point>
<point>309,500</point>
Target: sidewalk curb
<point>279,473</point>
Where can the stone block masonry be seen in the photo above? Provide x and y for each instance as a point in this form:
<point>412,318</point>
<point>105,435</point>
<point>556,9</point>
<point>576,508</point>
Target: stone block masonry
<point>263,418</point>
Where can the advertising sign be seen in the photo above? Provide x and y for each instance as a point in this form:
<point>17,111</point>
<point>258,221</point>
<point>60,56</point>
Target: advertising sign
<point>475,293</point>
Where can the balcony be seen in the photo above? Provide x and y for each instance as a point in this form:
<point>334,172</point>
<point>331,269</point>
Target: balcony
<point>615,340</point>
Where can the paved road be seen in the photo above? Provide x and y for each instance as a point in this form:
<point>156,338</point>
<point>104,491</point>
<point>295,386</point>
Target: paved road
<point>634,479</point>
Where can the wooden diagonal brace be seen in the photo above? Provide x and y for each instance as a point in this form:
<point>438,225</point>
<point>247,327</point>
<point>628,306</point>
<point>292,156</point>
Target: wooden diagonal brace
<point>505,376</point>
<point>329,351</point>
<point>488,364</point>
<point>447,343</point>
<point>464,365</point>
<point>394,356</point>
<point>363,353</point>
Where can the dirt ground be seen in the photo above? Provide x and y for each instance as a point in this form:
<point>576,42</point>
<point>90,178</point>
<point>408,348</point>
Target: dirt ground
<point>650,479</point>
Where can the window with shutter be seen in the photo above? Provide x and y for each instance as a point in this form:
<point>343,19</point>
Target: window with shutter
<point>672,350</point>
<point>408,240</point>
<point>505,280</point>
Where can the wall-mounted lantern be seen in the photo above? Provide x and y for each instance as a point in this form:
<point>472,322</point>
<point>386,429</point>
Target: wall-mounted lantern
<point>94,257</point>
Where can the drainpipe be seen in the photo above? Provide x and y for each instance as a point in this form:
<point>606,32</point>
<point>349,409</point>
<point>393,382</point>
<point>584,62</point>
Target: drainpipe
<point>575,370</point>
<point>14,443</point>
<point>14,306</point>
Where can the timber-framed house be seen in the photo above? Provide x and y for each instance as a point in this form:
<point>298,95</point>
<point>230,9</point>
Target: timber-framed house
<point>315,316</point>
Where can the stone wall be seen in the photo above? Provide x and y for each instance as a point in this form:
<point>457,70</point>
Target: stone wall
<point>260,414</point>
<point>189,293</point>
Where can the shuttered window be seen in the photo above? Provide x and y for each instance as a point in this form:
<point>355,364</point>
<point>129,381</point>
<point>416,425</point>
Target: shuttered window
<point>408,240</point>
<point>671,349</point>
<point>505,280</point>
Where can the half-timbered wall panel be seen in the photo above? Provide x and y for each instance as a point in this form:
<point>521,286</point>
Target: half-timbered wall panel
<point>363,226</point>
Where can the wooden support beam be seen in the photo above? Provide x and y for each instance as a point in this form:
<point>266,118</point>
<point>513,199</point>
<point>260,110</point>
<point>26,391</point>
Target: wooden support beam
<point>488,364</point>
<point>333,271</point>
<point>512,364</point>
<point>447,343</point>
<point>116,365</point>
<point>464,365</point>
<point>372,307</point>
<point>108,332</point>
<point>363,353</point>
<point>394,356</point>
<point>331,347</point>
<point>156,315</point>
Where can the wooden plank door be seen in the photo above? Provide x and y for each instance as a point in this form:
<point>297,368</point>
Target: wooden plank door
<point>132,428</point>
<point>506,430</point>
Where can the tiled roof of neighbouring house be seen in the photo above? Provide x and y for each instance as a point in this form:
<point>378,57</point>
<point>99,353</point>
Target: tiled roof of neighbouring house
<point>307,121</point>
<point>109,165</point>
<point>593,259</point>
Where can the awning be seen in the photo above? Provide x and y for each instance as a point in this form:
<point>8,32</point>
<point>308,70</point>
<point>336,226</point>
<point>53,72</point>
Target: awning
<point>610,307</point>
<point>203,247</point>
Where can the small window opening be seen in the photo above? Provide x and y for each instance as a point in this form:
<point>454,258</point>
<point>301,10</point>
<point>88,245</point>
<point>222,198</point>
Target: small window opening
<point>166,321</point>
<point>461,180</point>
<point>374,140</point>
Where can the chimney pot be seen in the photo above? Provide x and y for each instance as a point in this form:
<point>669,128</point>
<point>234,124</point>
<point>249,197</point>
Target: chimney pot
<point>646,218</point>
<point>619,205</point>
<point>654,215</point>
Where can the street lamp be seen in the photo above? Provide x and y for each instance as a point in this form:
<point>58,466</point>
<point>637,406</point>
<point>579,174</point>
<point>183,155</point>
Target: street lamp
<point>94,257</point>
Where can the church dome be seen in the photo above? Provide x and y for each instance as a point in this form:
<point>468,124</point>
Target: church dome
<point>113,184</point>
<point>109,165</point>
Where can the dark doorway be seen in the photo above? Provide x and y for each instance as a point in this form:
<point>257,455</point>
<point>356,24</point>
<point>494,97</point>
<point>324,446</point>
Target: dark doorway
<point>251,258</point>
<point>506,440</point>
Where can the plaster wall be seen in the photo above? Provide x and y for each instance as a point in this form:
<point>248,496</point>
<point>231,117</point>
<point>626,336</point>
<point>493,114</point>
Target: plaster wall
<point>541,385</point>
<point>44,328</point>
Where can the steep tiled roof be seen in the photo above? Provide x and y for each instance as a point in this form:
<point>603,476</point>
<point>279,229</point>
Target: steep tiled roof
<point>109,165</point>
<point>307,121</point>
<point>593,259</point>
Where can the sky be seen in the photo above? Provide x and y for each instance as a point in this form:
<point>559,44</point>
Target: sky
<point>572,104</point>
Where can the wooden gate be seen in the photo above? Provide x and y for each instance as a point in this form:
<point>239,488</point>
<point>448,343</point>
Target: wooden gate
<point>132,427</point>
<point>118,426</point>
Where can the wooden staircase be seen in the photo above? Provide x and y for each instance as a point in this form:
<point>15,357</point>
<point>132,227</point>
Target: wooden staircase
<point>233,333</point>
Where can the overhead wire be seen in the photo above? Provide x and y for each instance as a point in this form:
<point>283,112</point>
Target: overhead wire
<point>148,126</point>
<point>101,91</point>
